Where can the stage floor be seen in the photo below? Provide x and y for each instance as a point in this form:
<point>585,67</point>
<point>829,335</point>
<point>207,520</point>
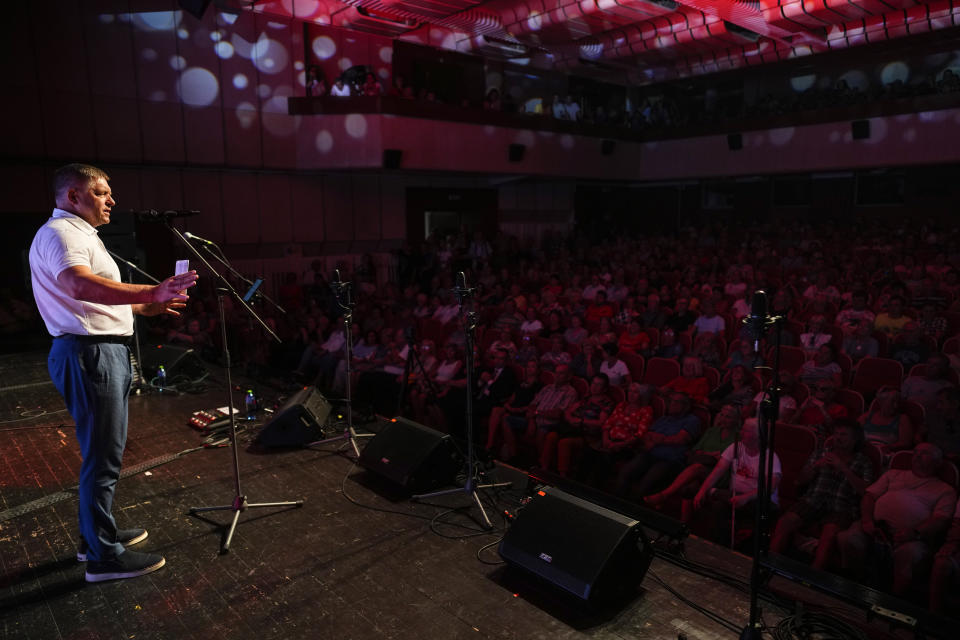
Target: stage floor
<point>353,562</point>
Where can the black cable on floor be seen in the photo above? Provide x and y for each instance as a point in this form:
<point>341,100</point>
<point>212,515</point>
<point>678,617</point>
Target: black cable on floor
<point>716,617</point>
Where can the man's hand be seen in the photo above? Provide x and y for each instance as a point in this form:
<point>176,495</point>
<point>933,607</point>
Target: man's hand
<point>172,308</point>
<point>174,288</point>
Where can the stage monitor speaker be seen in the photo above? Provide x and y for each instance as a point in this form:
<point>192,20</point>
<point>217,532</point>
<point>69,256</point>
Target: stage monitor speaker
<point>392,158</point>
<point>860,129</point>
<point>592,553</point>
<point>607,147</point>
<point>516,152</point>
<point>735,141</point>
<point>298,422</point>
<point>416,457</point>
<point>178,362</point>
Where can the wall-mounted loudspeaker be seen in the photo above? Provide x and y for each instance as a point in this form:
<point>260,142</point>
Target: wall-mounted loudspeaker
<point>735,141</point>
<point>392,158</point>
<point>298,422</point>
<point>860,129</point>
<point>516,152</point>
<point>592,553</point>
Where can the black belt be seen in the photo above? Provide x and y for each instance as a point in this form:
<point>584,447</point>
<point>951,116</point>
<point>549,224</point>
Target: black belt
<point>97,339</point>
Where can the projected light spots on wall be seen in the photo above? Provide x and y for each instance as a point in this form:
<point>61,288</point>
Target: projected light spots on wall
<point>269,56</point>
<point>198,87</point>
<point>264,91</point>
<point>106,18</point>
<point>804,82</point>
<point>240,81</point>
<point>324,47</point>
<point>344,63</point>
<point>224,50</point>
<point>178,62</point>
<point>386,54</point>
<point>324,141</point>
<point>246,114</point>
<point>356,125</point>
<point>781,137</point>
<point>893,72</point>
<point>534,21</point>
<point>156,20</point>
<point>383,72</point>
<point>227,18</point>
<point>148,54</point>
<point>856,80</point>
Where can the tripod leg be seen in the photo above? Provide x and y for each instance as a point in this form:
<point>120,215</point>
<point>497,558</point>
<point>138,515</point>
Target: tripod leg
<point>233,527</point>
<point>485,519</point>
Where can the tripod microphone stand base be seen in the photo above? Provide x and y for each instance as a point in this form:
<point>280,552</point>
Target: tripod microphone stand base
<point>240,505</point>
<point>470,489</point>
<point>348,434</point>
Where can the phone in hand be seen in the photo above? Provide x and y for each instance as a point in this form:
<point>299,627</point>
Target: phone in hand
<point>182,266</point>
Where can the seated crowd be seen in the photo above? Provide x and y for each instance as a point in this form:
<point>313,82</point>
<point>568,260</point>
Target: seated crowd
<point>624,366</point>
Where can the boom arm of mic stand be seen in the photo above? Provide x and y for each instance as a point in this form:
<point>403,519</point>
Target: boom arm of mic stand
<point>134,267</point>
<point>223,280</point>
<point>218,255</point>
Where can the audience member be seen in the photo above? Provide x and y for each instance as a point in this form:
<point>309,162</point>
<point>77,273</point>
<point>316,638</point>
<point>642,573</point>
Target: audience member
<point>742,461</point>
<point>885,425</point>
<point>902,514</point>
<point>836,477</point>
<point>663,449</point>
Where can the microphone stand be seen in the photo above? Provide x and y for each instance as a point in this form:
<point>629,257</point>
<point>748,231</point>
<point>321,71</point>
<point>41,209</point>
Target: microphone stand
<point>769,413</point>
<point>226,264</point>
<point>342,291</point>
<point>139,387</point>
<point>240,503</point>
<point>464,298</point>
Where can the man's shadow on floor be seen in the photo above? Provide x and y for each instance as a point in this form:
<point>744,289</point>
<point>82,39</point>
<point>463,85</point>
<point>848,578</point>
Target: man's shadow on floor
<point>35,585</point>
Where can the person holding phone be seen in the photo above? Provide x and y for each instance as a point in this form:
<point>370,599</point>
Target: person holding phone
<point>89,313</point>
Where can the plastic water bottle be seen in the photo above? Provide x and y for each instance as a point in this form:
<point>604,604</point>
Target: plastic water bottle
<point>161,378</point>
<point>251,403</point>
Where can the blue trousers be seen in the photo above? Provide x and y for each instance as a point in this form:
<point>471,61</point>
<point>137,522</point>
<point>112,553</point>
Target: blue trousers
<point>94,380</point>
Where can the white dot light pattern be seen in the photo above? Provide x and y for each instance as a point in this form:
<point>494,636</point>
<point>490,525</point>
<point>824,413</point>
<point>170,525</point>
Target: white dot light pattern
<point>198,87</point>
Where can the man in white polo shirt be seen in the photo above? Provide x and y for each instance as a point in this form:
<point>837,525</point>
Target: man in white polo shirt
<point>89,313</point>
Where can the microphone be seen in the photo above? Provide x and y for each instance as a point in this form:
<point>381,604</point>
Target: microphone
<point>756,322</point>
<point>191,236</point>
<point>153,215</point>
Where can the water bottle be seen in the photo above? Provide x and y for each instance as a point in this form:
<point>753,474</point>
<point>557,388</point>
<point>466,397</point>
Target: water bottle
<point>251,403</point>
<point>161,378</point>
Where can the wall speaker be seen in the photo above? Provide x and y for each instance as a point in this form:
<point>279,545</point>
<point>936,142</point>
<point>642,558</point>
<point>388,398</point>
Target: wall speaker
<point>178,362</point>
<point>735,141</point>
<point>860,129</point>
<point>607,147</point>
<point>588,551</point>
<point>299,421</point>
<point>516,152</point>
<point>392,158</point>
<point>416,457</point>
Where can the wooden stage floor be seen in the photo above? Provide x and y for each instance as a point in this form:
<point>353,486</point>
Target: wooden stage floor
<point>353,562</point>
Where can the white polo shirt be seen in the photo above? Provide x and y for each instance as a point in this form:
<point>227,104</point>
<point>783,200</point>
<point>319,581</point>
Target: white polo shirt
<point>64,241</point>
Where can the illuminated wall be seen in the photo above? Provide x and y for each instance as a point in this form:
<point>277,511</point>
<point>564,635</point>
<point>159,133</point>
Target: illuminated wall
<point>193,114</point>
